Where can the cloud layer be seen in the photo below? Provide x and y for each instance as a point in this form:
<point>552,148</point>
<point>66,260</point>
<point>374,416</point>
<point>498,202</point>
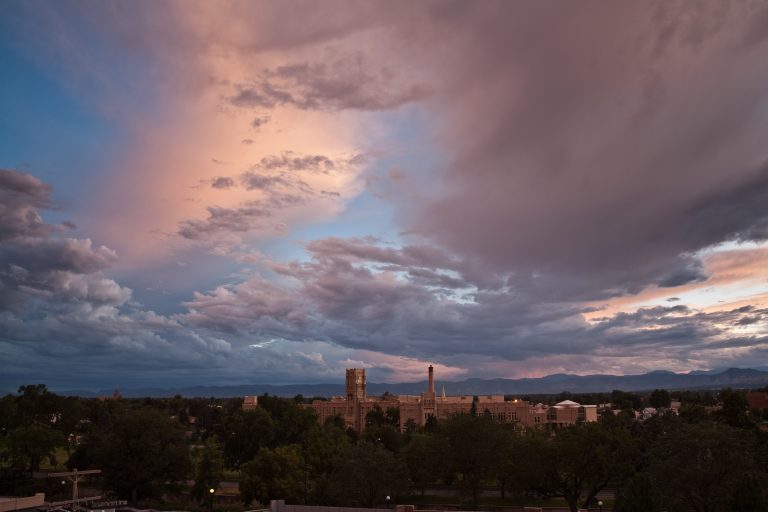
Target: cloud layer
<point>500,188</point>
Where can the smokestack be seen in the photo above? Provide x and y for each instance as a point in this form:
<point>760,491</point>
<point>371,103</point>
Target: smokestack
<point>431,386</point>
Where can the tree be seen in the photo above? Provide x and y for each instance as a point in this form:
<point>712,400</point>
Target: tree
<point>138,450</point>
<point>734,409</point>
<point>704,467</point>
<point>325,448</point>
<point>427,459</point>
<point>625,401</point>
<point>693,413</point>
<point>367,475</point>
<point>8,414</point>
<point>473,441</point>
<point>641,494</point>
<point>383,428</point>
<point>659,398</point>
<point>28,445</point>
<point>272,474</point>
<point>748,495</point>
<point>36,404</point>
<point>376,417</point>
<point>323,451</point>
<point>209,470</point>
<point>581,460</point>
<point>508,462</point>
<point>243,433</point>
<point>291,421</point>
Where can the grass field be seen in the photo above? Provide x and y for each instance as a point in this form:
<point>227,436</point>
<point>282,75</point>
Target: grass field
<point>62,456</point>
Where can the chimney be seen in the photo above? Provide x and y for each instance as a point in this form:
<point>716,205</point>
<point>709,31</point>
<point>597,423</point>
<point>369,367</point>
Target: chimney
<point>431,385</point>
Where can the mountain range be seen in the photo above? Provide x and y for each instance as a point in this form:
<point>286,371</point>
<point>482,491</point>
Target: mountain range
<point>696,380</point>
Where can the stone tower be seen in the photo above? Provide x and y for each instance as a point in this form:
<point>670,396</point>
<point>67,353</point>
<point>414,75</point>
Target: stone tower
<point>431,384</point>
<point>428,401</point>
<point>355,384</point>
<point>355,393</point>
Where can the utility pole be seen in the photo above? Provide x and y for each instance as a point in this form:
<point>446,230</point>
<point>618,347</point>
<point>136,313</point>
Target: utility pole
<point>74,477</point>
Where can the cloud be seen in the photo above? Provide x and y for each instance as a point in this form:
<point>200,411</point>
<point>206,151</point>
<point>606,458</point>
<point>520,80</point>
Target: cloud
<point>391,307</point>
<point>529,184</point>
<point>279,184</point>
<point>290,161</point>
<point>57,307</point>
<point>593,156</point>
<point>21,195</point>
<point>222,182</point>
<point>35,262</point>
<point>251,217</point>
<point>362,296</point>
<point>258,122</point>
<point>346,83</point>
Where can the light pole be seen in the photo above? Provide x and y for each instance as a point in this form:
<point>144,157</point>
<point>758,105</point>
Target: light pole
<point>600,504</point>
<point>388,500</point>
<point>210,500</point>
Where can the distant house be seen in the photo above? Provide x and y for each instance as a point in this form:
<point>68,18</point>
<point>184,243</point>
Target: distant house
<point>569,412</point>
<point>250,403</point>
<point>757,400</point>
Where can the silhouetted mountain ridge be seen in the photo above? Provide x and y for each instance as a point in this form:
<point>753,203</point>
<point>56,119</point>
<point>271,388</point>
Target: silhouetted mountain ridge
<point>731,377</point>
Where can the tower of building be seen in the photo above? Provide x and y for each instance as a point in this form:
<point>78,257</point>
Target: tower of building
<point>431,384</point>
<point>428,406</point>
<point>355,393</point>
<point>355,384</point>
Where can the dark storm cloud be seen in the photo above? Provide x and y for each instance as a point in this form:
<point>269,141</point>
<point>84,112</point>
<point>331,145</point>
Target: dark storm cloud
<point>687,270</point>
<point>350,294</point>
<point>350,83</point>
<point>629,139</point>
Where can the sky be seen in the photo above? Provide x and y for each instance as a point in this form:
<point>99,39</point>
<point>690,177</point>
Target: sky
<point>226,192</point>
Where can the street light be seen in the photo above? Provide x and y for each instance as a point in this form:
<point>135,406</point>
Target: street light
<point>600,504</point>
<point>210,500</point>
<point>388,500</point>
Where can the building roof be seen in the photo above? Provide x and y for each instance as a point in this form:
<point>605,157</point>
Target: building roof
<point>567,403</point>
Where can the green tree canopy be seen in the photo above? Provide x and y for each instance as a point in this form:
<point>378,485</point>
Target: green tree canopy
<point>243,433</point>
<point>473,441</point>
<point>368,475</point>
<point>209,469</point>
<point>704,467</point>
<point>581,460</point>
<point>276,473</point>
<point>139,451</point>
<point>427,457</point>
<point>28,445</point>
<point>659,398</point>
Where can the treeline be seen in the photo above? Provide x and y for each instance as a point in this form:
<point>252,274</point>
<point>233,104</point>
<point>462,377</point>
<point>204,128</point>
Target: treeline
<point>703,459</point>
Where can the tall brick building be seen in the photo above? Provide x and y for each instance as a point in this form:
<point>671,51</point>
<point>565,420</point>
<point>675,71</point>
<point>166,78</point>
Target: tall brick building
<point>356,404</point>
